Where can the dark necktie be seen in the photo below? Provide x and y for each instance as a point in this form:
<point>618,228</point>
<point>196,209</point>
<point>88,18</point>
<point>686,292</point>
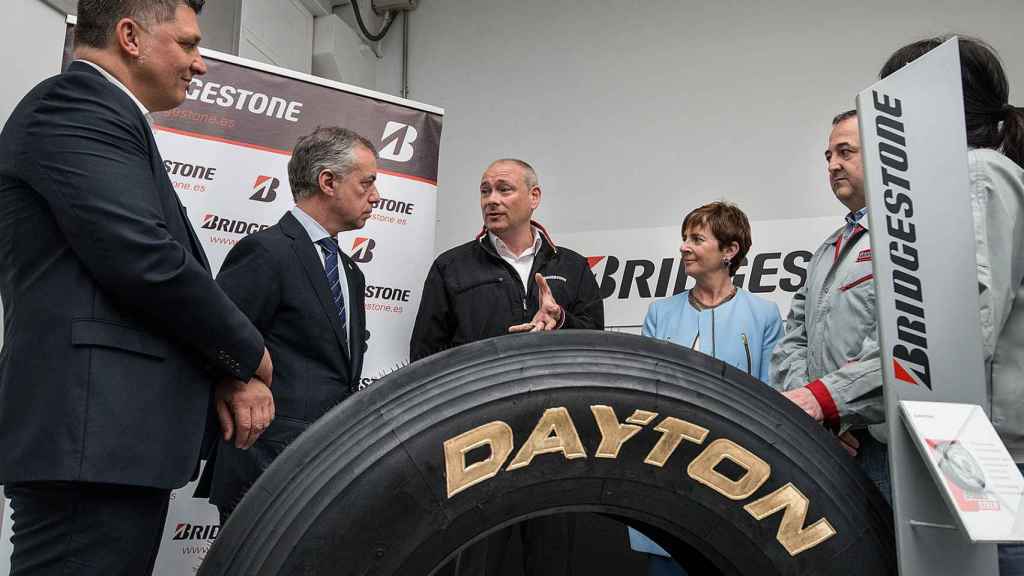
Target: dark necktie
<point>330,249</point>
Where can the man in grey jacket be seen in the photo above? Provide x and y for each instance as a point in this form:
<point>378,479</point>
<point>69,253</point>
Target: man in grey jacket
<point>828,360</point>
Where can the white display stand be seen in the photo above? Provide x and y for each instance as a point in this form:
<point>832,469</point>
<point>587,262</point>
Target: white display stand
<point>977,476</point>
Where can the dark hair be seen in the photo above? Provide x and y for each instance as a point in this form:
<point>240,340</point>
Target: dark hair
<point>991,121</point>
<point>727,223</point>
<point>325,148</point>
<point>844,116</point>
<point>96,18</point>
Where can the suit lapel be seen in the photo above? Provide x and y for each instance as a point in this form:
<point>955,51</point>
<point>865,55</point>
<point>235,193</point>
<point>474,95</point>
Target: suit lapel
<point>304,251</point>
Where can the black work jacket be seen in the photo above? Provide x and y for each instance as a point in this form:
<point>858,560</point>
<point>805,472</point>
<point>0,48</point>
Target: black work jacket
<point>471,293</point>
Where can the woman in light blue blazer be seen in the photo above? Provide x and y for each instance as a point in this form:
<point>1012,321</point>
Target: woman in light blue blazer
<point>714,317</point>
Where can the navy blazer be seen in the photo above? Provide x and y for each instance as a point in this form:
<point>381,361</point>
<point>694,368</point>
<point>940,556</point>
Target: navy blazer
<point>114,328</point>
<point>276,278</point>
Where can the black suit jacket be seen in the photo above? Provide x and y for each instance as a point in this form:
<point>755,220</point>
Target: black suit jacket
<point>114,327</point>
<point>276,278</point>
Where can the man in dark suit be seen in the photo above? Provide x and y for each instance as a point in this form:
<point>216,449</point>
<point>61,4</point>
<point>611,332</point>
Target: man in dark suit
<point>305,296</point>
<point>116,333</point>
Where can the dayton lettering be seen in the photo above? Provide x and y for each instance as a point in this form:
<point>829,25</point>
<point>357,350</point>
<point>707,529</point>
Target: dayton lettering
<point>911,349</point>
<point>556,432</point>
<point>253,102</point>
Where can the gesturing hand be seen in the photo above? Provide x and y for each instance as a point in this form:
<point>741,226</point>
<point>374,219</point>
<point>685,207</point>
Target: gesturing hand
<point>244,409</point>
<point>549,313</point>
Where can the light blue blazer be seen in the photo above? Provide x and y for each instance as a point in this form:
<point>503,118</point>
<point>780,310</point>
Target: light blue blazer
<point>741,332</point>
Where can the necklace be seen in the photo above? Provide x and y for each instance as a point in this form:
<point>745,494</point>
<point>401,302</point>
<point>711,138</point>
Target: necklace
<point>698,305</point>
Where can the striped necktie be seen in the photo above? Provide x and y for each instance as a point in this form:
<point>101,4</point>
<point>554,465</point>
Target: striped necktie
<point>329,247</point>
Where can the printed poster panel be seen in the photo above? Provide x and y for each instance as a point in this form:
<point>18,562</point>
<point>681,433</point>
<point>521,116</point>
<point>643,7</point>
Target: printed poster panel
<point>634,267</point>
<point>226,151</point>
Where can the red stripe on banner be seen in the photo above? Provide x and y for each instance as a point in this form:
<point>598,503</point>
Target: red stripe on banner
<point>212,138</point>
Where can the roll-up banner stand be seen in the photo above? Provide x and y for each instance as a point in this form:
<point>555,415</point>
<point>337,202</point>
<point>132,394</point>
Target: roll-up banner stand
<point>922,235</point>
<point>226,151</point>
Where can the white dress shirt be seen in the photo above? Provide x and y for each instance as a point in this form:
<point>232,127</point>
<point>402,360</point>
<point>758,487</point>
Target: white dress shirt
<point>522,263</point>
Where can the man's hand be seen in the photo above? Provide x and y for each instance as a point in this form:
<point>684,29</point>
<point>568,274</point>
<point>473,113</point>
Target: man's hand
<point>549,314</point>
<point>803,398</point>
<point>244,410</point>
<point>265,371</point>
<point>849,443</point>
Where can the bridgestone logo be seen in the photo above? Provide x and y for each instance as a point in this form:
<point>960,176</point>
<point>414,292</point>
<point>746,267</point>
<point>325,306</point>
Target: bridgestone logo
<point>556,433</point>
<point>214,222</point>
<point>910,353</point>
<point>396,206</point>
<point>388,293</point>
<point>396,143</point>
<point>256,103</point>
<point>185,531</point>
<point>189,170</point>
<point>640,278</point>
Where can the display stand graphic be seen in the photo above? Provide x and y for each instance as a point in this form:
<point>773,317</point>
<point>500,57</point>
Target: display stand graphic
<point>971,466</point>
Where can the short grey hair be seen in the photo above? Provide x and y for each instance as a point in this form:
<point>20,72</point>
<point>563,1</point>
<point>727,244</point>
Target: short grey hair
<point>327,148</point>
<point>97,18</point>
<point>529,174</point>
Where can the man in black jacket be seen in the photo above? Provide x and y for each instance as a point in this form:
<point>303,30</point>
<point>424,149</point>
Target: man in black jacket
<point>116,333</point>
<point>511,278</point>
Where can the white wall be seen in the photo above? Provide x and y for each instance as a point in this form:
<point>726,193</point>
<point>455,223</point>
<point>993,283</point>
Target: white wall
<point>278,32</point>
<point>32,41</point>
<point>634,112</point>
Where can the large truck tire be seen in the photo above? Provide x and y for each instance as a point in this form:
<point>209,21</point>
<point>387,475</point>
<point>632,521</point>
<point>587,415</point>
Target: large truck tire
<point>714,465</point>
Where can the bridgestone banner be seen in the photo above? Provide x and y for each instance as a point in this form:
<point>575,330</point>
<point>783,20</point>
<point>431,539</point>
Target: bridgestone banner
<point>226,151</point>
<point>635,267</point>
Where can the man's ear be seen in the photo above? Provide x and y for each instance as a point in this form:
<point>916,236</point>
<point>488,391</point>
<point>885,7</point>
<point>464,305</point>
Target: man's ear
<point>325,180</point>
<point>535,197</point>
<point>126,35</point>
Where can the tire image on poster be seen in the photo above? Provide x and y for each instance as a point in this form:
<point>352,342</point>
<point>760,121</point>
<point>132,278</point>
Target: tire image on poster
<point>715,466</point>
